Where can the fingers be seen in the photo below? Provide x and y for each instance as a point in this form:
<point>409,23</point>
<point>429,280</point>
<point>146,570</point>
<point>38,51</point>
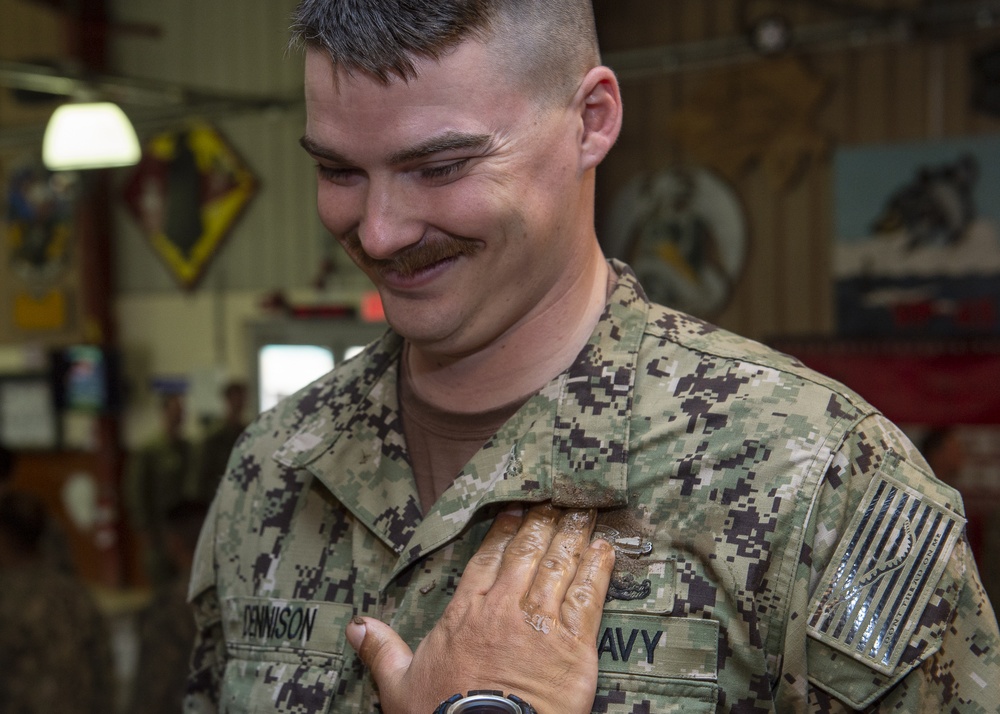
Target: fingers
<point>380,648</point>
<point>558,566</point>
<point>544,563</point>
<point>563,578</point>
<point>481,572</point>
<point>583,605</point>
<point>527,548</point>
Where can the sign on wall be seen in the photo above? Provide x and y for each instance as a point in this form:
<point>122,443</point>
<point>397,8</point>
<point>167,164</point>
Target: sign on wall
<point>186,194</point>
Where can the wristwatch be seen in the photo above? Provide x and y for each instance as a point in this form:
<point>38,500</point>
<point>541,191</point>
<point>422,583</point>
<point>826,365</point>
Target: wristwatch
<point>484,701</point>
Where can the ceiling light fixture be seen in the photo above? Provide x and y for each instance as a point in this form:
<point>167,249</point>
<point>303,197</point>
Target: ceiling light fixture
<point>93,135</point>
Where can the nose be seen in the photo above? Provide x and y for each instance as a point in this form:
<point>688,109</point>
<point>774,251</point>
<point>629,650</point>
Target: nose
<point>389,222</point>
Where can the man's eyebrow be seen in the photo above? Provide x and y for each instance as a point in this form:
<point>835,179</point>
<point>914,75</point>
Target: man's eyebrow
<point>449,141</point>
<point>322,152</point>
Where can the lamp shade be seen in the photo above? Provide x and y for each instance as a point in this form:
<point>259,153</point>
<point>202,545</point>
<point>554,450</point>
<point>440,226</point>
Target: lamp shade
<point>89,136</point>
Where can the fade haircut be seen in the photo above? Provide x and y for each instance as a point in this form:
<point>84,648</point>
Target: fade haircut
<point>550,43</point>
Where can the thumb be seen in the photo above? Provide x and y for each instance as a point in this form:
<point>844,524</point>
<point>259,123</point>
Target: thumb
<point>380,648</point>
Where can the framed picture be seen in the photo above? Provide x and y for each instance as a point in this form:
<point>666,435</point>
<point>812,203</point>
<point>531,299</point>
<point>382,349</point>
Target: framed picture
<point>917,250</point>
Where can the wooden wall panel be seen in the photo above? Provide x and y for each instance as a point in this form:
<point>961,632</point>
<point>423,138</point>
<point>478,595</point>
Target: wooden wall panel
<point>872,123</point>
<point>908,74</point>
<point>886,91</point>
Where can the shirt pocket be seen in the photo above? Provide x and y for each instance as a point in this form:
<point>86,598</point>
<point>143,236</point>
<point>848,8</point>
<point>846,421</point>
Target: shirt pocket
<point>283,656</point>
<point>657,663</point>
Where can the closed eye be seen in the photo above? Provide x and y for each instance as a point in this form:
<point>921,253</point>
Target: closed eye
<point>337,175</point>
<point>441,172</point>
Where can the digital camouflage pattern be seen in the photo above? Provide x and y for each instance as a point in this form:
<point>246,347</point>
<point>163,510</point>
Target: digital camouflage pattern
<point>166,631</point>
<point>55,653</point>
<point>730,477</point>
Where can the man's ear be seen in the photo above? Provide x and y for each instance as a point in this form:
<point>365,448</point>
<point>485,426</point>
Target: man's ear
<point>599,102</point>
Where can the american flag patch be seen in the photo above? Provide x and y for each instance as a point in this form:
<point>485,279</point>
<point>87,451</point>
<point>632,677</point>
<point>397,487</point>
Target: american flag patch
<point>882,574</point>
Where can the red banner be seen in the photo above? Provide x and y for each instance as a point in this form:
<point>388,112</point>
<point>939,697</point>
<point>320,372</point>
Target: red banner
<point>933,383</point>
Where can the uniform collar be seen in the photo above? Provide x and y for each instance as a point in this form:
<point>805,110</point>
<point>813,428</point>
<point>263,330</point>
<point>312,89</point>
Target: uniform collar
<point>568,443</point>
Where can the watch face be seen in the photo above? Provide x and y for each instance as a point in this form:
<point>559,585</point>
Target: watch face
<point>481,708</point>
<point>484,704</point>
<point>684,234</point>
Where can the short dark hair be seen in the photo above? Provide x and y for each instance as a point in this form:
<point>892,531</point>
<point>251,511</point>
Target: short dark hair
<point>233,388</point>
<point>552,42</point>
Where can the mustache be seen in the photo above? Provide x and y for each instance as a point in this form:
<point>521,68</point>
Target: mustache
<point>412,259</point>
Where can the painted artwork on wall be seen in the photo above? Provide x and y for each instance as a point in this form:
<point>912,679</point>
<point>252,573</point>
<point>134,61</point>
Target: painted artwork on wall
<point>684,233</point>
<point>39,261</point>
<point>917,230</point>
<point>186,194</point>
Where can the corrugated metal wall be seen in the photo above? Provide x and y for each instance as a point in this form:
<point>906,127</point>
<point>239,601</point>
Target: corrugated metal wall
<point>231,46</point>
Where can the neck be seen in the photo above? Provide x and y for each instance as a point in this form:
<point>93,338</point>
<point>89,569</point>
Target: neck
<point>524,358</point>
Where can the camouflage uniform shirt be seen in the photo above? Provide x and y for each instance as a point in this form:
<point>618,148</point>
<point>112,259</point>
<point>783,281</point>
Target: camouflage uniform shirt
<point>782,547</point>
<point>55,652</point>
<point>165,630</point>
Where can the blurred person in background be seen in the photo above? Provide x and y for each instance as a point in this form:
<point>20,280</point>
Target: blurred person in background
<point>945,453</point>
<point>55,655</point>
<point>166,628</point>
<point>213,451</point>
<point>155,484</point>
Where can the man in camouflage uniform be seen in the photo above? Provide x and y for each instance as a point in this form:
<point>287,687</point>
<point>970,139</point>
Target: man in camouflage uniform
<point>779,546</point>
<point>165,626</point>
<point>158,474</point>
<point>213,452</point>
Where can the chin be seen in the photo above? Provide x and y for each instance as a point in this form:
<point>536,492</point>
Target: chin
<point>420,332</point>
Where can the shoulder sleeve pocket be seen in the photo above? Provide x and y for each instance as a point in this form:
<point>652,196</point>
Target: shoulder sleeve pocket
<point>890,590</point>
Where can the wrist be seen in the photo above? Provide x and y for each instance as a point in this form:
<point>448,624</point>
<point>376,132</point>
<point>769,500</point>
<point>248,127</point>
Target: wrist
<point>484,701</point>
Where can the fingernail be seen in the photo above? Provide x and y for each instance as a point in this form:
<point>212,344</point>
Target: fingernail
<point>356,630</point>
